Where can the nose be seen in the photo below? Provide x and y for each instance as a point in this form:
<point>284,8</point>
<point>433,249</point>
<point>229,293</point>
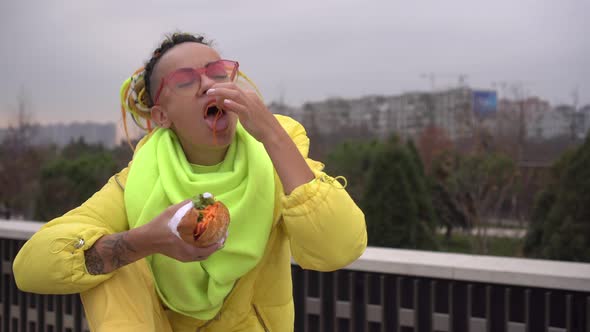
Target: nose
<point>206,84</point>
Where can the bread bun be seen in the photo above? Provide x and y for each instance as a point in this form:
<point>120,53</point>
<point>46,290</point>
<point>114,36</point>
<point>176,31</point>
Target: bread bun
<point>206,223</point>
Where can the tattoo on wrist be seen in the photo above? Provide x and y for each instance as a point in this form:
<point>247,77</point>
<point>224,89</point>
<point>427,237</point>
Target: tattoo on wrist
<point>94,263</point>
<point>116,249</point>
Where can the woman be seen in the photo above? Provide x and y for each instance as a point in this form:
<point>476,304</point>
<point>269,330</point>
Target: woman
<point>213,136</point>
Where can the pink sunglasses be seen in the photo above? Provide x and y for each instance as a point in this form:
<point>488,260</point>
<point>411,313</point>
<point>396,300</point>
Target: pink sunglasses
<point>187,81</point>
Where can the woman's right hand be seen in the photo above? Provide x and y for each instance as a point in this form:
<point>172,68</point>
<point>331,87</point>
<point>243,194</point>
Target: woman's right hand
<point>114,251</point>
<point>167,243</point>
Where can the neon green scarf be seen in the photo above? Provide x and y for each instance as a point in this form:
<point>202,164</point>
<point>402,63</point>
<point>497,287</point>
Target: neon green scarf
<point>161,176</point>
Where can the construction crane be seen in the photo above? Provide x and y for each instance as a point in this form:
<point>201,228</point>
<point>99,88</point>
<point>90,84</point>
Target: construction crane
<point>512,89</point>
<point>432,77</point>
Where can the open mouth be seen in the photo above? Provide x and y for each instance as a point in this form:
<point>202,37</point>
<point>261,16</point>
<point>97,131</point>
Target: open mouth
<point>215,117</point>
<point>212,110</point>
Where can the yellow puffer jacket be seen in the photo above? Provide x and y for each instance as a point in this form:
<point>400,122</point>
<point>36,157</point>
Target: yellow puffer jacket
<point>318,224</point>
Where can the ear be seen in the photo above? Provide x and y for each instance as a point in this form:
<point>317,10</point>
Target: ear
<point>160,116</point>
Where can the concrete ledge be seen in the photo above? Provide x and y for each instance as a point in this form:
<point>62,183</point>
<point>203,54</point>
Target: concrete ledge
<point>18,230</point>
<point>475,268</point>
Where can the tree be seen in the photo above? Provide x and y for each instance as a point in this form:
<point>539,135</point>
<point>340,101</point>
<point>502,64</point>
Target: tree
<point>560,227</point>
<point>352,160</point>
<point>396,202</point>
<point>78,147</point>
<point>420,183</point>
<point>481,182</point>
<point>448,209</point>
<point>19,171</point>
<point>123,153</point>
<point>66,183</point>
<point>433,141</point>
<point>20,163</point>
<point>416,158</point>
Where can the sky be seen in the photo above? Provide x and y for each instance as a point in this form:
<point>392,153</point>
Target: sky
<point>69,58</point>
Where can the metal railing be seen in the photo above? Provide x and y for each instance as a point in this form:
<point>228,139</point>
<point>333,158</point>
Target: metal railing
<point>21,311</point>
<point>385,290</point>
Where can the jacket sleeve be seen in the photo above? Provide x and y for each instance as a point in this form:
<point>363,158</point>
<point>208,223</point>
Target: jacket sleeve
<point>52,260</point>
<point>325,227</point>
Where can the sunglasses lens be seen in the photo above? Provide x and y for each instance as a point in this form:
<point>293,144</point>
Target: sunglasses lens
<point>185,82</point>
<point>221,71</point>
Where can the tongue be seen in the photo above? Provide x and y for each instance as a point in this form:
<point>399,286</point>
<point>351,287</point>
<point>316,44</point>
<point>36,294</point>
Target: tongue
<point>221,123</point>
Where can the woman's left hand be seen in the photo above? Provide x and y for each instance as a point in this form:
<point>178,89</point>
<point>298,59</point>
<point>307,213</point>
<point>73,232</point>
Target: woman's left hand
<point>253,114</point>
<point>262,124</point>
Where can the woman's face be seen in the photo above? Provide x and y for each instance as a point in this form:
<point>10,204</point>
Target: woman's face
<point>187,115</point>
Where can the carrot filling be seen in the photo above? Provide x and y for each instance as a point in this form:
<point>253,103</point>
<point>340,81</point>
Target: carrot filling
<point>208,214</point>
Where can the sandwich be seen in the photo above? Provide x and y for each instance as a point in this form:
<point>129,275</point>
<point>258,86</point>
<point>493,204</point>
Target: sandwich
<point>204,221</point>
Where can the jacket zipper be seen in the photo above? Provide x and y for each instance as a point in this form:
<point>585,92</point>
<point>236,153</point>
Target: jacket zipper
<point>218,316</point>
<point>209,321</point>
<point>266,329</point>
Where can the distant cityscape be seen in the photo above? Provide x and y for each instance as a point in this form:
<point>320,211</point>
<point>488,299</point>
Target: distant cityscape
<point>61,134</point>
<point>459,111</point>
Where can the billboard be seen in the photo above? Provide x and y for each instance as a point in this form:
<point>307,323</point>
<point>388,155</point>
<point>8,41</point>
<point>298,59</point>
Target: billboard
<point>485,103</point>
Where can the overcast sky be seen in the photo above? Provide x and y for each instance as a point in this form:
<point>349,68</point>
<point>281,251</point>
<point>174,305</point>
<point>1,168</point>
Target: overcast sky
<point>70,57</point>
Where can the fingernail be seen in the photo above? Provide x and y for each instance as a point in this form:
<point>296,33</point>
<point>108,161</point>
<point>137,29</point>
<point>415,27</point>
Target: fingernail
<point>210,91</point>
<point>227,101</point>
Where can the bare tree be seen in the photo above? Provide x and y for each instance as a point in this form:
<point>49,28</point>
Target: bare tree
<point>19,162</point>
<point>21,132</point>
